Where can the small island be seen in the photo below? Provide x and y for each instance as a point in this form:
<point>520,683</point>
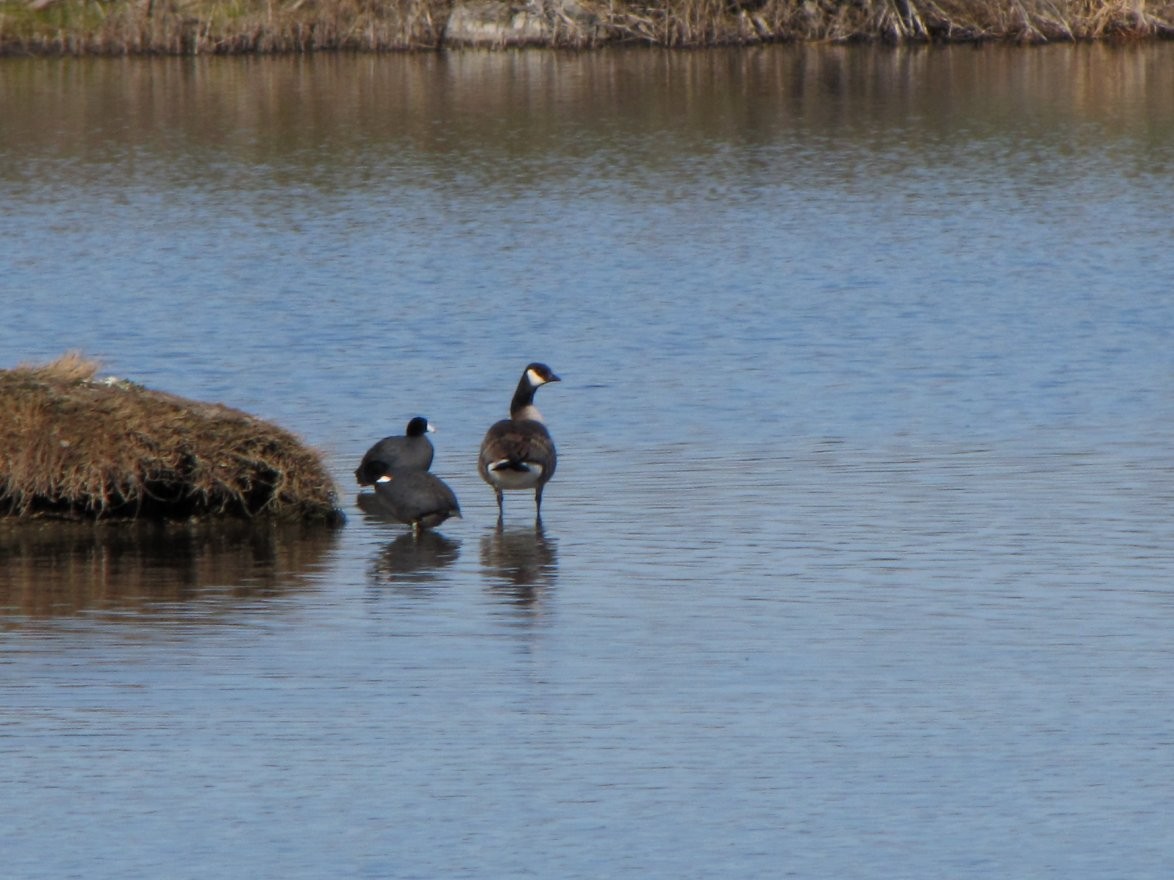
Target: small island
<point>78,447</point>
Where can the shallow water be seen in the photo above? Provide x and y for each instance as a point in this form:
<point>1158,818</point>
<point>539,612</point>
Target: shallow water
<point>858,559</point>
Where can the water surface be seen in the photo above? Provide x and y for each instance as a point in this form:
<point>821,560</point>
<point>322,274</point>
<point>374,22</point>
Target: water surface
<point>858,558</point>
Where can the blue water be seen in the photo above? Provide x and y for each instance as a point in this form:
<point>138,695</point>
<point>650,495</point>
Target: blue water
<point>858,561</point>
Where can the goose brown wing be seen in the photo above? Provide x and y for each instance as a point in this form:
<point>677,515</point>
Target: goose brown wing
<point>518,442</point>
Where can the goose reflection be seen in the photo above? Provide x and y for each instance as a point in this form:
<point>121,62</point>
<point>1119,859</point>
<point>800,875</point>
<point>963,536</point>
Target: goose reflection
<point>519,564</point>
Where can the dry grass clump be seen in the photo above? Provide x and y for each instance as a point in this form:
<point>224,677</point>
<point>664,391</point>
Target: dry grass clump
<point>248,26</point>
<point>193,27</point>
<point>711,22</point>
<point>234,26</point>
<point>74,447</point>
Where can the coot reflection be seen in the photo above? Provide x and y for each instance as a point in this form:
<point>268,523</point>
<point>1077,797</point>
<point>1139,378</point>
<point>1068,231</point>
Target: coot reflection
<point>415,557</point>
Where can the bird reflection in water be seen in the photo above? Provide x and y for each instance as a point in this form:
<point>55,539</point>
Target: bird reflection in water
<point>520,564</point>
<point>413,557</point>
<point>416,557</point>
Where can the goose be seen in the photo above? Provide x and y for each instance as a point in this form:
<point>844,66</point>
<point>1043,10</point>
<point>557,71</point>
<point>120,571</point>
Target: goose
<point>518,453</point>
<point>413,450</point>
<point>415,497</point>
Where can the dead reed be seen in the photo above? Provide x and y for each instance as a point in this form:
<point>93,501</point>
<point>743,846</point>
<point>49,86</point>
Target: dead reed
<point>192,27</point>
<point>76,447</point>
<point>710,22</point>
<point>266,26</point>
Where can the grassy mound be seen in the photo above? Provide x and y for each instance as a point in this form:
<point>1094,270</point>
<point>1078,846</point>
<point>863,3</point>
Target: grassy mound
<point>75,447</point>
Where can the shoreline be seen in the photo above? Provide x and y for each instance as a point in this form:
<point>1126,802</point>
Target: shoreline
<point>251,27</point>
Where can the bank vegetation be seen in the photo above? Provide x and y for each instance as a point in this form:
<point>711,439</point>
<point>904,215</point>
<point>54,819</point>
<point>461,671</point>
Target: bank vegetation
<point>187,27</point>
<point>74,446</point>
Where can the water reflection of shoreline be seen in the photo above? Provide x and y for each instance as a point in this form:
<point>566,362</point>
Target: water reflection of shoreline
<point>60,569</point>
<point>520,564</point>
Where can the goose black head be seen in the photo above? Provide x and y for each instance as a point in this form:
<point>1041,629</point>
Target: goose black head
<point>538,375</point>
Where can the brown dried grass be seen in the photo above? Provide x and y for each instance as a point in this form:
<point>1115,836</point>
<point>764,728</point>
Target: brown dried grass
<point>190,27</point>
<point>78,448</point>
<point>196,27</point>
<point>710,22</point>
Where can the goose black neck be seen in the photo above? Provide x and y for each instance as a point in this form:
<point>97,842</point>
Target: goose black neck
<point>523,397</point>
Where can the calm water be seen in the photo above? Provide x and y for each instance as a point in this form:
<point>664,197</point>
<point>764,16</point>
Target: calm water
<point>859,562</point>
